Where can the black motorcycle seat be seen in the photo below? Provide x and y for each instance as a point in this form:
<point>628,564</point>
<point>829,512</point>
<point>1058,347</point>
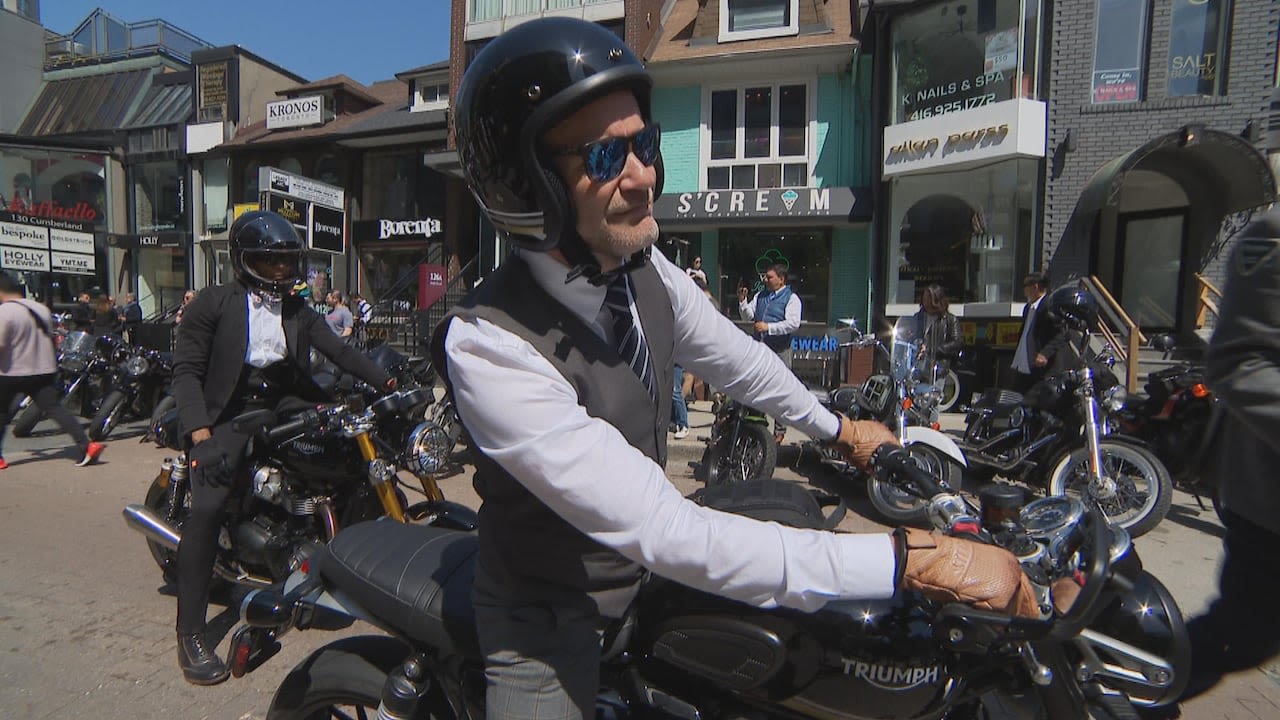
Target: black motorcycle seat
<point>414,579</point>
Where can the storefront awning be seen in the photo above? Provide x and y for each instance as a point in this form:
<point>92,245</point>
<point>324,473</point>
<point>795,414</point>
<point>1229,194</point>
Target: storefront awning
<point>1221,171</point>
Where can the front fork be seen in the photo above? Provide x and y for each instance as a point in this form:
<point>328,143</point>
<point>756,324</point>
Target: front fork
<point>382,476</point>
<point>1101,486</point>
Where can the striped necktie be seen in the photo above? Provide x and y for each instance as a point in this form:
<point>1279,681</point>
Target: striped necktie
<point>628,339</point>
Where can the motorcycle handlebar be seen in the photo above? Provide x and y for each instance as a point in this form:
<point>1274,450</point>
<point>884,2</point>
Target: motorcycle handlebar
<point>897,462</point>
<point>308,420</point>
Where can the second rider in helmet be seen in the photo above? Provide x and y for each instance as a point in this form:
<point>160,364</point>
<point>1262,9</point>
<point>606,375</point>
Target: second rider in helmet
<point>242,346</point>
<point>559,364</point>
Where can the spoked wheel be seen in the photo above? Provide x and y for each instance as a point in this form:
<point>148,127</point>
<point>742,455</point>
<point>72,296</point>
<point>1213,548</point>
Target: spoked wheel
<point>899,507</point>
<point>753,456</point>
<point>108,415</point>
<point>339,681</point>
<point>1142,490</point>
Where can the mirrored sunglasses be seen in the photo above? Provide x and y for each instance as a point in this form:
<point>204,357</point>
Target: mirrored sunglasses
<point>605,159</point>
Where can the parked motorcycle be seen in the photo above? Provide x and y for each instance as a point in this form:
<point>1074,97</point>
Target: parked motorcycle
<point>907,405</point>
<point>1055,438</point>
<point>1174,416</point>
<point>135,386</point>
<point>84,367</point>
<point>320,470</point>
<point>682,653</point>
<point>740,446</point>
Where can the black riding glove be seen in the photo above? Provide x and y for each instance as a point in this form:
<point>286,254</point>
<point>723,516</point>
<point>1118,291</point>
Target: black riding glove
<point>208,464</point>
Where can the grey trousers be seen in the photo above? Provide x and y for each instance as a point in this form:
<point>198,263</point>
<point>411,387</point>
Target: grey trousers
<point>541,662</point>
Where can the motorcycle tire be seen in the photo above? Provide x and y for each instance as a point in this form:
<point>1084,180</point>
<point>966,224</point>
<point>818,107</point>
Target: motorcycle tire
<point>26,421</point>
<point>162,408</point>
<point>108,416</point>
<point>157,501</point>
<point>950,391</point>
<point>900,508</point>
<point>349,673</point>
<point>753,457</point>
<point>1134,508</point>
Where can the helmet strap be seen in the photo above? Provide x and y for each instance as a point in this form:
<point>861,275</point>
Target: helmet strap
<point>582,263</point>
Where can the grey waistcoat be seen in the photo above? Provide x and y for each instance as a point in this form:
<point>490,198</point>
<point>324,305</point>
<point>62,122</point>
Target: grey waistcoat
<point>529,550</point>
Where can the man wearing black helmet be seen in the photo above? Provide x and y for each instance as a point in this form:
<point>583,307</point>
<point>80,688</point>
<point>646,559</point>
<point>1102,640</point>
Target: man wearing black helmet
<point>242,346</point>
<point>559,364</point>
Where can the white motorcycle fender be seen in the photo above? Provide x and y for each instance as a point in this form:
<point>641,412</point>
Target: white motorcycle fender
<point>937,441</point>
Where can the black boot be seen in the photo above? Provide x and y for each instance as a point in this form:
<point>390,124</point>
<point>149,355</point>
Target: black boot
<point>200,664</point>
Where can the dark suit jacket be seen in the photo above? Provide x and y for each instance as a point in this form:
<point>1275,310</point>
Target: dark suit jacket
<point>1046,337</point>
<point>209,356</point>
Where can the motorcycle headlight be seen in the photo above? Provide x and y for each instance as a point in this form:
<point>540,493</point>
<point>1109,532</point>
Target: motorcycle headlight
<point>136,366</point>
<point>428,451</point>
<point>926,394</point>
<point>1113,398</point>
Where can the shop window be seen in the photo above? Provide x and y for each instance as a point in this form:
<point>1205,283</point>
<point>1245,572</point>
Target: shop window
<point>971,235</point>
<point>158,197</point>
<point>758,137</point>
<point>1120,50</point>
<point>745,255</point>
<point>749,19</point>
<point>398,187</point>
<point>1198,38</point>
<point>962,55</point>
<point>216,195</point>
<point>250,193</point>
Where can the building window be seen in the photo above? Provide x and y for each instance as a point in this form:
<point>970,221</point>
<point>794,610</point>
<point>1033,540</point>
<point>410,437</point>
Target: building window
<point>749,19</point>
<point>1198,47</point>
<point>962,55</point>
<point>745,255</point>
<point>159,201</point>
<point>758,137</point>
<point>485,10</point>
<point>430,95</point>
<point>1120,50</point>
<point>972,233</point>
<point>216,195</point>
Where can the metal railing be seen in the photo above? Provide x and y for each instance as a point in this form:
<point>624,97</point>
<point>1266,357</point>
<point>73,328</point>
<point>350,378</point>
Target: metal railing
<point>399,322</point>
<point>1209,298</point>
<point>1117,329</point>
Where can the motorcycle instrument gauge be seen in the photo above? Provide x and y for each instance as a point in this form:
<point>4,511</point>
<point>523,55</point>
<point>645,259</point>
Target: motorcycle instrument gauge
<point>1047,517</point>
<point>136,366</point>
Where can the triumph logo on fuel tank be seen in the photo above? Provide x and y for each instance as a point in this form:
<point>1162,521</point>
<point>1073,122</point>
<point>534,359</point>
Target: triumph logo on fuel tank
<point>892,677</point>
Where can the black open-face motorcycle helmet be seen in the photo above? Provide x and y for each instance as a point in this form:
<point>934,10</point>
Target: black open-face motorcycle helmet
<point>261,240</point>
<point>523,83</point>
<point>1074,307</point>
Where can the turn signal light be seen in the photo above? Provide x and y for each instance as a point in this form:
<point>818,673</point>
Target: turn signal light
<point>906,403</point>
<point>1201,391</point>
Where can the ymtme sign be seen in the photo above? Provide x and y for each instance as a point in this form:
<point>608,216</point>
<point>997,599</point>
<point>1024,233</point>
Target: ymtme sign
<point>295,112</point>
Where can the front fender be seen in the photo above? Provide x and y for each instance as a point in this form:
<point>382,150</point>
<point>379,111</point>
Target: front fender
<point>937,441</point>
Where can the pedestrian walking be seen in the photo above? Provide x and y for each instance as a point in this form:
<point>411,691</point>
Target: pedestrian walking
<point>28,366</point>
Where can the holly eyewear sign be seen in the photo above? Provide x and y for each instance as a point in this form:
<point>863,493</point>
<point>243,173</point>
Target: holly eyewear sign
<point>281,182</point>
<point>18,258</point>
<point>820,203</point>
<point>295,112</point>
<point>1007,129</point>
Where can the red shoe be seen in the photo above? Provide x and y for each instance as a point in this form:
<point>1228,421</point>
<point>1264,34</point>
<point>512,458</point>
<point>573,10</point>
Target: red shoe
<point>3,464</point>
<point>91,454</point>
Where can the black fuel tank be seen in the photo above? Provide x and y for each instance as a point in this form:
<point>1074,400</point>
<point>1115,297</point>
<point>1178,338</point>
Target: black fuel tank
<point>323,459</point>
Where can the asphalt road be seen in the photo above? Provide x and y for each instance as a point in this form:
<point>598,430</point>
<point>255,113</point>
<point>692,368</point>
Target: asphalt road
<point>86,622</point>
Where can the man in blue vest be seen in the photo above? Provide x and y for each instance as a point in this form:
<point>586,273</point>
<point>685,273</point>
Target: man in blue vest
<point>776,311</point>
<point>561,364</point>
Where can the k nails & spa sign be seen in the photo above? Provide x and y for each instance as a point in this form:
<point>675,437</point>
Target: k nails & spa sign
<point>825,204</point>
<point>1007,129</point>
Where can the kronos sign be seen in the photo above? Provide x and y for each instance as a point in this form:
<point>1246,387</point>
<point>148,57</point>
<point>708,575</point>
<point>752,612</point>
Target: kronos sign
<point>295,112</point>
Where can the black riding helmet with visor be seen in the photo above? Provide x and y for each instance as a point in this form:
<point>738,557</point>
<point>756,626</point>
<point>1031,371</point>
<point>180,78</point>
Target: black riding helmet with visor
<point>266,252</point>
<point>524,82</point>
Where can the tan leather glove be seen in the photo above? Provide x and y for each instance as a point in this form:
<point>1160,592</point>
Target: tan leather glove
<point>859,439</point>
<point>947,569</point>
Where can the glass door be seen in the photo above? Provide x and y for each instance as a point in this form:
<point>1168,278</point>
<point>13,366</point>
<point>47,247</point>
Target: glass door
<point>1152,248</point>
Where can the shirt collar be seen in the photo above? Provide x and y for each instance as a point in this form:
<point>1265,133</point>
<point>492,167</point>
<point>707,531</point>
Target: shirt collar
<point>581,297</point>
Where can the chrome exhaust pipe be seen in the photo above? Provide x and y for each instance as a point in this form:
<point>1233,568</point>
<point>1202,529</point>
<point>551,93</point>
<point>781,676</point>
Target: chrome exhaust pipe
<point>141,518</point>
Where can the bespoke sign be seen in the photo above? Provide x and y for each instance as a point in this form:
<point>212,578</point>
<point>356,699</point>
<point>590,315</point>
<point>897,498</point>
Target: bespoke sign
<point>295,112</point>
<point>382,229</point>
<point>327,230</point>
<point>1007,129</point>
<point>827,204</point>
<point>278,181</point>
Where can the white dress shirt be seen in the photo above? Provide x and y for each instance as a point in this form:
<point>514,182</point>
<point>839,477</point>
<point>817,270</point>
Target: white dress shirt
<point>266,332</point>
<point>1021,361</point>
<point>790,322</point>
<point>524,415</point>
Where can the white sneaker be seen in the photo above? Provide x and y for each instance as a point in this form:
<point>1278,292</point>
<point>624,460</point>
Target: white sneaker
<point>681,433</point>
